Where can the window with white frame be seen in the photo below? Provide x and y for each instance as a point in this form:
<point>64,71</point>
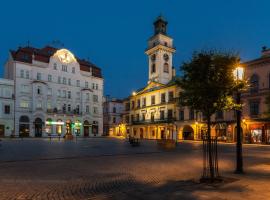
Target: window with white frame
<point>64,68</point>
<point>50,91</point>
<point>64,93</point>
<point>87,109</point>
<point>24,104</point>
<point>69,94</point>
<point>73,70</point>
<point>22,73</point>
<point>59,79</point>
<point>27,74</point>
<point>78,95</point>
<point>38,76</point>
<point>55,66</point>
<point>95,98</point>
<point>64,81</point>
<point>78,83</point>
<point>86,84</point>
<point>96,86</point>
<point>69,81</point>
<point>87,96</point>
<point>49,104</point>
<point>93,86</point>
<point>59,93</point>
<point>95,110</point>
<point>39,105</point>
<point>49,77</point>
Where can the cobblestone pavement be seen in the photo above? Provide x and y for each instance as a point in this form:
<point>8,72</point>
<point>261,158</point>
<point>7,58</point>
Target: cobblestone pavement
<point>111,169</point>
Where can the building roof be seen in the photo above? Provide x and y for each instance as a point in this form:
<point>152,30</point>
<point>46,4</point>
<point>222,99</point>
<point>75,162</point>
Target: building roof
<point>28,54</point>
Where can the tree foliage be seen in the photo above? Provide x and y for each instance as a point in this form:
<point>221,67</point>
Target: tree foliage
<point>207,82</point>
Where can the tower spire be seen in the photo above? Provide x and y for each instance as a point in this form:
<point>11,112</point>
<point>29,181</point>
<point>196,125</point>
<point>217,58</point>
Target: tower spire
<point>160,25</point>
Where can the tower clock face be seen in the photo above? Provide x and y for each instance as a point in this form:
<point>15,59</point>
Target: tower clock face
<point>153,57</point>
<point>166,57</point>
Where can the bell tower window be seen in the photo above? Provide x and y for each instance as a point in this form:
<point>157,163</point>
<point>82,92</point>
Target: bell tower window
<point>153,69</point>
<point>166,68</point>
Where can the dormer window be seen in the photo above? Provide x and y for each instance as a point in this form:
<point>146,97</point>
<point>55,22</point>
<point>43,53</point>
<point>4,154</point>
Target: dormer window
<point>153,68</point>
<point>64,68</point>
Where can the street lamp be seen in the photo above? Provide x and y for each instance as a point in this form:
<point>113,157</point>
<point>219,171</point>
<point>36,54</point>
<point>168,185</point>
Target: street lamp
<point>238,76</point>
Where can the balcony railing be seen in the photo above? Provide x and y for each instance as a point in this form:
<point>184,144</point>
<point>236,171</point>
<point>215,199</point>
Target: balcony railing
<point>153,121</point>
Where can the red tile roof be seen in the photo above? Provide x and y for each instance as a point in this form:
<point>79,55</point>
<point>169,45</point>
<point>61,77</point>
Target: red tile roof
<point>28,54</point>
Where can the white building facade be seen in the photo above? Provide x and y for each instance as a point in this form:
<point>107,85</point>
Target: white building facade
<point>56,93</point>
<point>112,115</point>
<point>7,107</point>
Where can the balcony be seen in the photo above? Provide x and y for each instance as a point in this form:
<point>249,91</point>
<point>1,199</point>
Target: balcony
<point>61,112</point>
<point>153,121</point>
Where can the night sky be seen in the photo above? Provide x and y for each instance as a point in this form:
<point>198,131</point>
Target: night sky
<point>113,33</point>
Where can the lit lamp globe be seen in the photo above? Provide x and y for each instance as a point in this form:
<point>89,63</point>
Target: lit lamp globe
<point>238,73</point>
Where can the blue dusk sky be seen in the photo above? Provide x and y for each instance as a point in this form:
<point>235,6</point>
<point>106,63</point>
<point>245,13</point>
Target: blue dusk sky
<point>113,34</point>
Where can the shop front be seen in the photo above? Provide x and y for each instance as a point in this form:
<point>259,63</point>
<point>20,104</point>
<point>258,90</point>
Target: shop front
<point>256,133</point>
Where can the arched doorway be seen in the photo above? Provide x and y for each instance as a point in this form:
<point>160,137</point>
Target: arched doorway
<point>38,127</point>
<point>86,126</point>
<point>188,133</point>
<point>24,126</point>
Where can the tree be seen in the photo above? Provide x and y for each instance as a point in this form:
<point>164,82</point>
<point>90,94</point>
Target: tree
<point>207,85</point>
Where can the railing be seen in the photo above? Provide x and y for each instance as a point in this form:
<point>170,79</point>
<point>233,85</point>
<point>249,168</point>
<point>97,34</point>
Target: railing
<point>153,121</point>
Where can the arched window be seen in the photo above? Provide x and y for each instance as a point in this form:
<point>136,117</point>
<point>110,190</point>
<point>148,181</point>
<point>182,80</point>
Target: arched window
<point>254,83</point>
<point>166,68</point>
<point>153,69</point>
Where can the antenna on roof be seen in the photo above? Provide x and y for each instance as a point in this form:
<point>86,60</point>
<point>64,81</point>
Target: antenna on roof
<point>28,43</point>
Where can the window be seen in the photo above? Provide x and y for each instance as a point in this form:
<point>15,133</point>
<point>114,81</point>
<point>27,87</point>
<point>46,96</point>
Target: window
<point>50,91</point>
<point>191,114</point>
<point>138,103</point>
<point>87,109</point>
<point>114,120</point>
<point>25,88</point>
<point>132,104</point>
<point>49,105</point>
<point>73,70</point>
<point>69,107</point>
<point>78,109</point>
<point>39,90</point>
<point>54,66</point>
<point>38,76</point>
<point>181,115</point>
<point>166,68</point>
<point>95,98</point>
<point>64,108</point>
<point>50,78</point>
<point>254,108</point>
<point>59,79</point>
<point>24,104</point>
<point>153,68</point>
<point>137,117</point>
<point>170,114</point>
<point>27,74</point>
<point>64,68</point>
<point>87,96</point>
<point>64,93</point>
<point>114,109</point>
<point>144,102</point>
<point>143,116</point>
<point>127,106</point>
<point>153,100</point>
<point>39,105</point>
<point>7,109</point>
<point>69,81</point>
<point>78,83</point>
<point>219,114</point>
<point>171,96</point>
<point>64,81</point>
<point>254,83</point>
<point>86,84</point>
<point>78,95</point>
<point>69,94</point>
<point>22,73</point>
<point>95,109</point>
<point>93,86</point>
<point>162,114</point>
<point>152,116</point>
<point>96,86</point>
<point>127,119</point>
<point>163,98</point>
<point>59,93</point>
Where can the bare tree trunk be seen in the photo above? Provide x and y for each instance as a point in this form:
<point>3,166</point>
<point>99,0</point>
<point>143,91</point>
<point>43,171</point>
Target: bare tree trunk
<point>211,167</point>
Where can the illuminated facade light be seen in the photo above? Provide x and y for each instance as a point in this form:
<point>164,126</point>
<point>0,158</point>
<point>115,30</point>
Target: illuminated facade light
<point>54,123</point>
<point>65,56</point>
<point>238,73</point>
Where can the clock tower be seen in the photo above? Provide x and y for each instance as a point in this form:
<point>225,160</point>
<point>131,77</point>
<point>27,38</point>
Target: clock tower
<point>160,51</point>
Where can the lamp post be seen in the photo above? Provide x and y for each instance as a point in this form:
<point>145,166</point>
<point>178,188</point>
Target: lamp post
<point>239,76</point>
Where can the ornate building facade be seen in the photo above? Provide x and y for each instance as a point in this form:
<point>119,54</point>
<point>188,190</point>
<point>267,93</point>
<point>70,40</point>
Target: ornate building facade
<point>55,92</point>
